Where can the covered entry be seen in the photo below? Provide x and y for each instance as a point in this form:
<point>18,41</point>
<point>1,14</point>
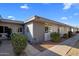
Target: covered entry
<point>5,32</point>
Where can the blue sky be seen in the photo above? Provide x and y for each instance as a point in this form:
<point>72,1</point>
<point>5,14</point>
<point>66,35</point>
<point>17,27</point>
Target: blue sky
<point>62,12</point>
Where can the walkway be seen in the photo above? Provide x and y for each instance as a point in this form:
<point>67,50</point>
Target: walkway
<point>63,48</point>
<point>6,48</point>
<point>68,47</point>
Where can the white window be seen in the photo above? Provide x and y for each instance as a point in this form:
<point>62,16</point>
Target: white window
<point>20,29</point>
<point>46,29</point>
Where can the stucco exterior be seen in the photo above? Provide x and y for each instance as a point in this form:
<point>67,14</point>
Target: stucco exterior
<point>34,28</point>
<point>29,31</point>
<point>38,31</point>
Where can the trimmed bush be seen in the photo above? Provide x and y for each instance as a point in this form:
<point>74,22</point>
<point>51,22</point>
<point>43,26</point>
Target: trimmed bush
<point>55,36</point>
<point>70,34</point>
<point>19,43</point>
<point>65,35</point>
<point>77,31</point>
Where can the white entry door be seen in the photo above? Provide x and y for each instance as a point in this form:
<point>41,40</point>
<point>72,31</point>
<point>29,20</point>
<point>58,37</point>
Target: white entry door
<point>47,36</point>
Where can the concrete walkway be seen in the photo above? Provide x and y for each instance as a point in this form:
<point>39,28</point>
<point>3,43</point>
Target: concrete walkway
<point>61,49</point>
<point>6,48</point>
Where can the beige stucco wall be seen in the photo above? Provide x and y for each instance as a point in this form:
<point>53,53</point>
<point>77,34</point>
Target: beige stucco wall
<point>53,28</point>
<point>14,27</point>
<point>74,29</point>
<point>29,30</point>
<point>39,30</point>
<point>64,29</point>
<point>36,31</point>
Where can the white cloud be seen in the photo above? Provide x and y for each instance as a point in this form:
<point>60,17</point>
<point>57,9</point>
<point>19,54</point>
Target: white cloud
<point>11,17</point>
<point>64,18</point>
<point>25,6</point>
<point>67,6</point>
<point>75,14</point>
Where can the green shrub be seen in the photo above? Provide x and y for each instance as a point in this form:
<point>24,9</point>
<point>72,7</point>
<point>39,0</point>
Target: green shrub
<point>70,34</point>
<point>55,36</point>
<point>65,35</point>
<point>19,43</point>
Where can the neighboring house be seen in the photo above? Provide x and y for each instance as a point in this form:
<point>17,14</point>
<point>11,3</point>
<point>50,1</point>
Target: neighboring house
<point>36,28</point>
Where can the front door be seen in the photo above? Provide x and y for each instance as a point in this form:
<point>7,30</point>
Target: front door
<point>47,34</point>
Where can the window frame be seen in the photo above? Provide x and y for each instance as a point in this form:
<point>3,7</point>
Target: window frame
<point>20,29</point>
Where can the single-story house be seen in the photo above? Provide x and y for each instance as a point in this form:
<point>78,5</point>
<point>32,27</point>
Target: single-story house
<point>36,28</point>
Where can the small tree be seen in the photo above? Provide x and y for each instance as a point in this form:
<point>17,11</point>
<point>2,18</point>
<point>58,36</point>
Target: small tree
<point>70,34</point>
<point>65,35</point>
<point>55,36</point>
<point>19,43</point>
